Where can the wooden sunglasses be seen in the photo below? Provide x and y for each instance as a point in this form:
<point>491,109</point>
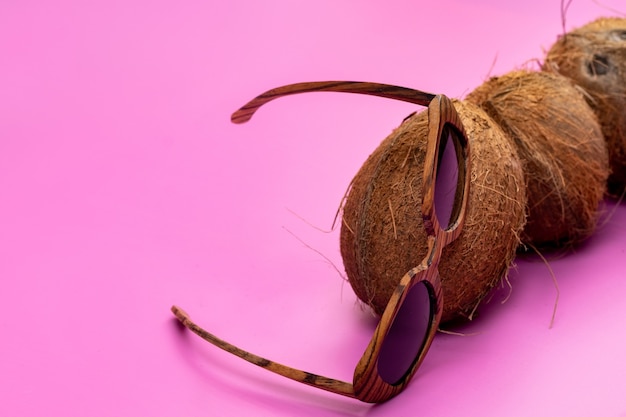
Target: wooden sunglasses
<point>411,318</point>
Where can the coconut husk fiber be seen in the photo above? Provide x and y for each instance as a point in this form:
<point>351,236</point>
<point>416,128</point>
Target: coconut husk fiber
<point>382,234</point>
<point>594,57</point>
<point>561,146</point>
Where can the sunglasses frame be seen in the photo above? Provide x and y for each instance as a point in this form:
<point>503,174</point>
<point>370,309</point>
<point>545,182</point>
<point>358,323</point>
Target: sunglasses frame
<point>368,385</point>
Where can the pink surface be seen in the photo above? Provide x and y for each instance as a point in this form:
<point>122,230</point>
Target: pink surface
<point>126,189</point>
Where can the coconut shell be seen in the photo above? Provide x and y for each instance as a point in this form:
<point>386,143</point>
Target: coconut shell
<point>560,143</point>
<point>594,57</point>
<point>382,233</point>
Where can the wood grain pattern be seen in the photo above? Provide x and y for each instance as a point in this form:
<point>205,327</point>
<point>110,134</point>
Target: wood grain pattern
<point>328,384</point>
<point>357,87</point>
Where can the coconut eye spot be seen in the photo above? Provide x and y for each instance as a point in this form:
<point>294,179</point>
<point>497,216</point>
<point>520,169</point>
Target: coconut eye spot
<point>599,65</point>
<point>618,35</point>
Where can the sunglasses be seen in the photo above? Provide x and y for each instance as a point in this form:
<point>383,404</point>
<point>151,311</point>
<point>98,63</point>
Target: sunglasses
<point>411,318</point>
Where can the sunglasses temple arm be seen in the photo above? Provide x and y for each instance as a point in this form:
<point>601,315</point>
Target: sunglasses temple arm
<point>327,384</point>
<point>357,87</point>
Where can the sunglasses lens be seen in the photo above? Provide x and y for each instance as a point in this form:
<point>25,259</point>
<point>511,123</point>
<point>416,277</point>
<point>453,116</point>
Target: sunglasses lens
<point>447,180</point>
<point>406,335</point>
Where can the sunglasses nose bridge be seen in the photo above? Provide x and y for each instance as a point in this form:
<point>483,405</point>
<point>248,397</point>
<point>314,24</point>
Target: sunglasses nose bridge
<point>435,243</point>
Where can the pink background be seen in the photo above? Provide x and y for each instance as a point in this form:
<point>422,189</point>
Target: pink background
<point>125,189</point>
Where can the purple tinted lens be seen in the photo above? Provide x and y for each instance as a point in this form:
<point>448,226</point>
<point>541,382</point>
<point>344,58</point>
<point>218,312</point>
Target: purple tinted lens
<point>406,335</point>
<point>447,180</point>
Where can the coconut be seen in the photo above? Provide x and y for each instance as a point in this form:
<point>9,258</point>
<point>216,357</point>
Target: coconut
<point>382,233</point>
<point>561,146</point>
<point>594,56</point>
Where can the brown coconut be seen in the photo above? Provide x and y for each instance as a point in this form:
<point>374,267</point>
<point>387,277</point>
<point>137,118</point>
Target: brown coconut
<point>560,144</point>
<point>594,57</point>
<point>382,234</point>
